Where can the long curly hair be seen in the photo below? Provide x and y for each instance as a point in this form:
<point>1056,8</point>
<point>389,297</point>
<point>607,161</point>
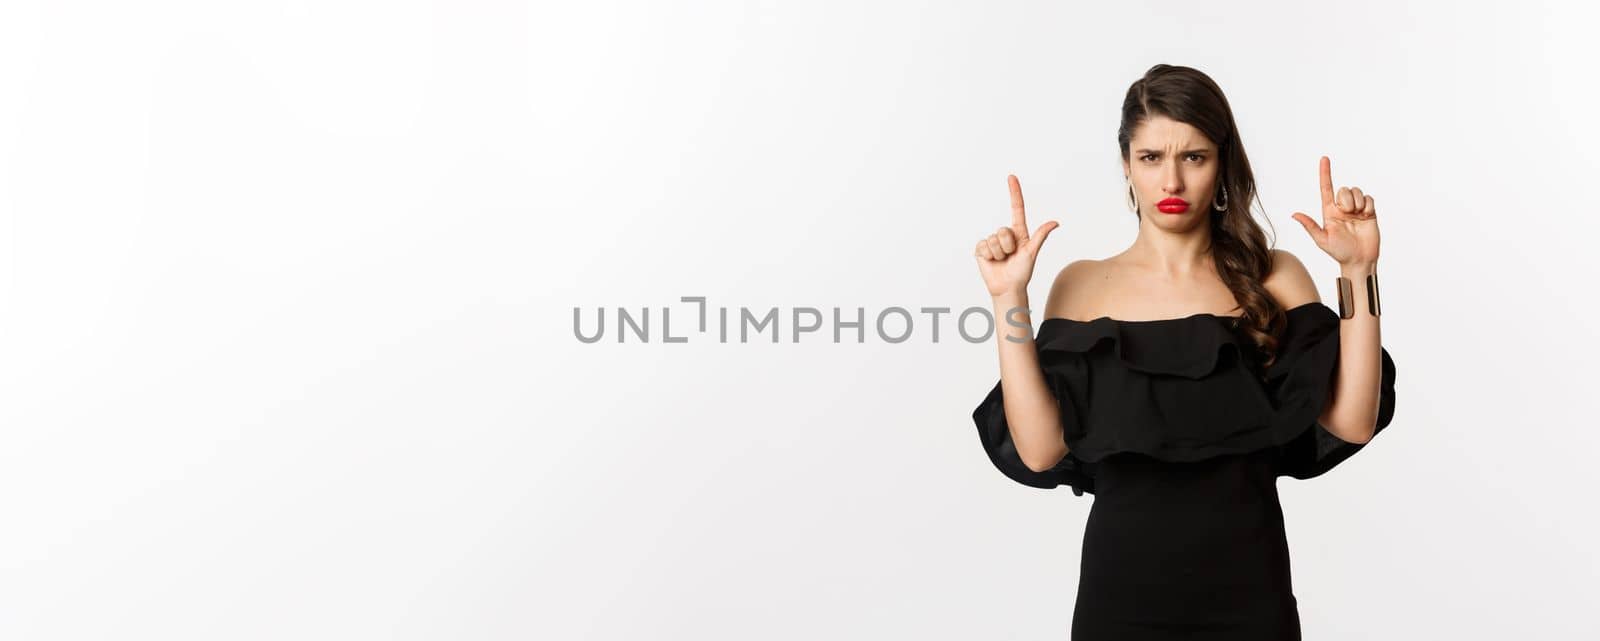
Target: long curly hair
<point>1238,244</point>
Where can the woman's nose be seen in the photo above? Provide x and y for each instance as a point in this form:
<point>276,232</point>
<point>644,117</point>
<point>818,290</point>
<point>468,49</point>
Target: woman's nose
<point>1174,180</point>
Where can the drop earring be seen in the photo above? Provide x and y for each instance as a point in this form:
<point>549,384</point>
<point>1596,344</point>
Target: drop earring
<point>1133,199</point>
<point>1223,205</point>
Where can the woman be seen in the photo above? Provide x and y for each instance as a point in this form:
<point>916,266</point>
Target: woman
<point>1177,380</point>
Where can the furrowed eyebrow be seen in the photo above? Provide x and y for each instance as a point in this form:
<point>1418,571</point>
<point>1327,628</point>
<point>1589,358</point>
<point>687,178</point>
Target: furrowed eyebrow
<point>1188,151</point>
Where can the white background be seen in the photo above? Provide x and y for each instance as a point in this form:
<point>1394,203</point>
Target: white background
<point>288,311</point>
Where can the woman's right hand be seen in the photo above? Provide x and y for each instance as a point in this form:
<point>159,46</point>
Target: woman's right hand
<point>1006,257</point>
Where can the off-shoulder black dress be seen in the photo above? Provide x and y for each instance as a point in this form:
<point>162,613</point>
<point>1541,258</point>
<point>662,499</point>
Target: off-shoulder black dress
<point>1171,428</point>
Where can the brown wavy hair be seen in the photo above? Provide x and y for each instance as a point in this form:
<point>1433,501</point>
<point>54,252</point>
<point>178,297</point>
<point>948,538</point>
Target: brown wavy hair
<point>1238,244</point>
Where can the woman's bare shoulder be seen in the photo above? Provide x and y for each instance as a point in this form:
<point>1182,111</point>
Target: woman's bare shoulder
<point>1072,287</point>
<point>1289,282</point>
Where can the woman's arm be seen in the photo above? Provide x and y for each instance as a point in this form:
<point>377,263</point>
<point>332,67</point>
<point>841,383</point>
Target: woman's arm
<point>1353,414</point>
<point>1352,411</point>
<point>1031,409</point>
<point>1033,412</point>
<point>1005,260</point>
<point>1349,235</point>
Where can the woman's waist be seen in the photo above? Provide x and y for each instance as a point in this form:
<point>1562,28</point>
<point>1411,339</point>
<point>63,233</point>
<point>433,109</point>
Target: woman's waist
<point>1224,482</point>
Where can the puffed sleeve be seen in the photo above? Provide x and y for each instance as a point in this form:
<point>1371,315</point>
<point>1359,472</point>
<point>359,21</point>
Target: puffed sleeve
<point>1059,368</point>
<point>1300,384</point>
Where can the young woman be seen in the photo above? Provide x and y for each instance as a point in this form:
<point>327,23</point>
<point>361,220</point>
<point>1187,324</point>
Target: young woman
<point>1177,380</point>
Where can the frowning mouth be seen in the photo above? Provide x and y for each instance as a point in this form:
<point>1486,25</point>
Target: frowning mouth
<point>1173,206</point>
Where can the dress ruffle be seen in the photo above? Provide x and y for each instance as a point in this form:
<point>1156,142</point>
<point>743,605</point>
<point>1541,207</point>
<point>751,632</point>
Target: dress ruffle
<point>1301,383</point>
<point>1182,390</point>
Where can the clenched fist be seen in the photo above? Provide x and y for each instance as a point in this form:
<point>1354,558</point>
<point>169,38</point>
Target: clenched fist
<point>1006,257</point>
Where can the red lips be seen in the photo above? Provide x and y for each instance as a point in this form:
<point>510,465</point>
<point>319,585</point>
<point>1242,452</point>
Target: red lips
<point>1173,206</point>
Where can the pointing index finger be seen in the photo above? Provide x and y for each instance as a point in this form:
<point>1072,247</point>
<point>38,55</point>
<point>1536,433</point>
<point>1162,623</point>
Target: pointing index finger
<point>1019,219</point>
<point>1327,181</point>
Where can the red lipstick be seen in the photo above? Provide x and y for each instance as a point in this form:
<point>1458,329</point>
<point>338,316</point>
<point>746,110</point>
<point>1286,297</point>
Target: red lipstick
<point>1173,206</point>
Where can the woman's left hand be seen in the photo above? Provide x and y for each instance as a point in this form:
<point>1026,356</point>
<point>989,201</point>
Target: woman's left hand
<point>1349,230</point>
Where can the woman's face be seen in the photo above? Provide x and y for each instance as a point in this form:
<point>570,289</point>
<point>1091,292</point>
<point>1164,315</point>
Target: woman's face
<point>1170,159</point>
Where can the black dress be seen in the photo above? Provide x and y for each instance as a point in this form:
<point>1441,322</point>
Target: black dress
<point>1180,440</point>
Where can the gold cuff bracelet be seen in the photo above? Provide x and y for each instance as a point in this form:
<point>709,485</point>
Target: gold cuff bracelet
<point>1346,305</point>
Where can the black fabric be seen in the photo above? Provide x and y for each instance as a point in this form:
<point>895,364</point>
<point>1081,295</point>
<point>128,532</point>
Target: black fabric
<point>1300,383</point>
<point>1173,429</point>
